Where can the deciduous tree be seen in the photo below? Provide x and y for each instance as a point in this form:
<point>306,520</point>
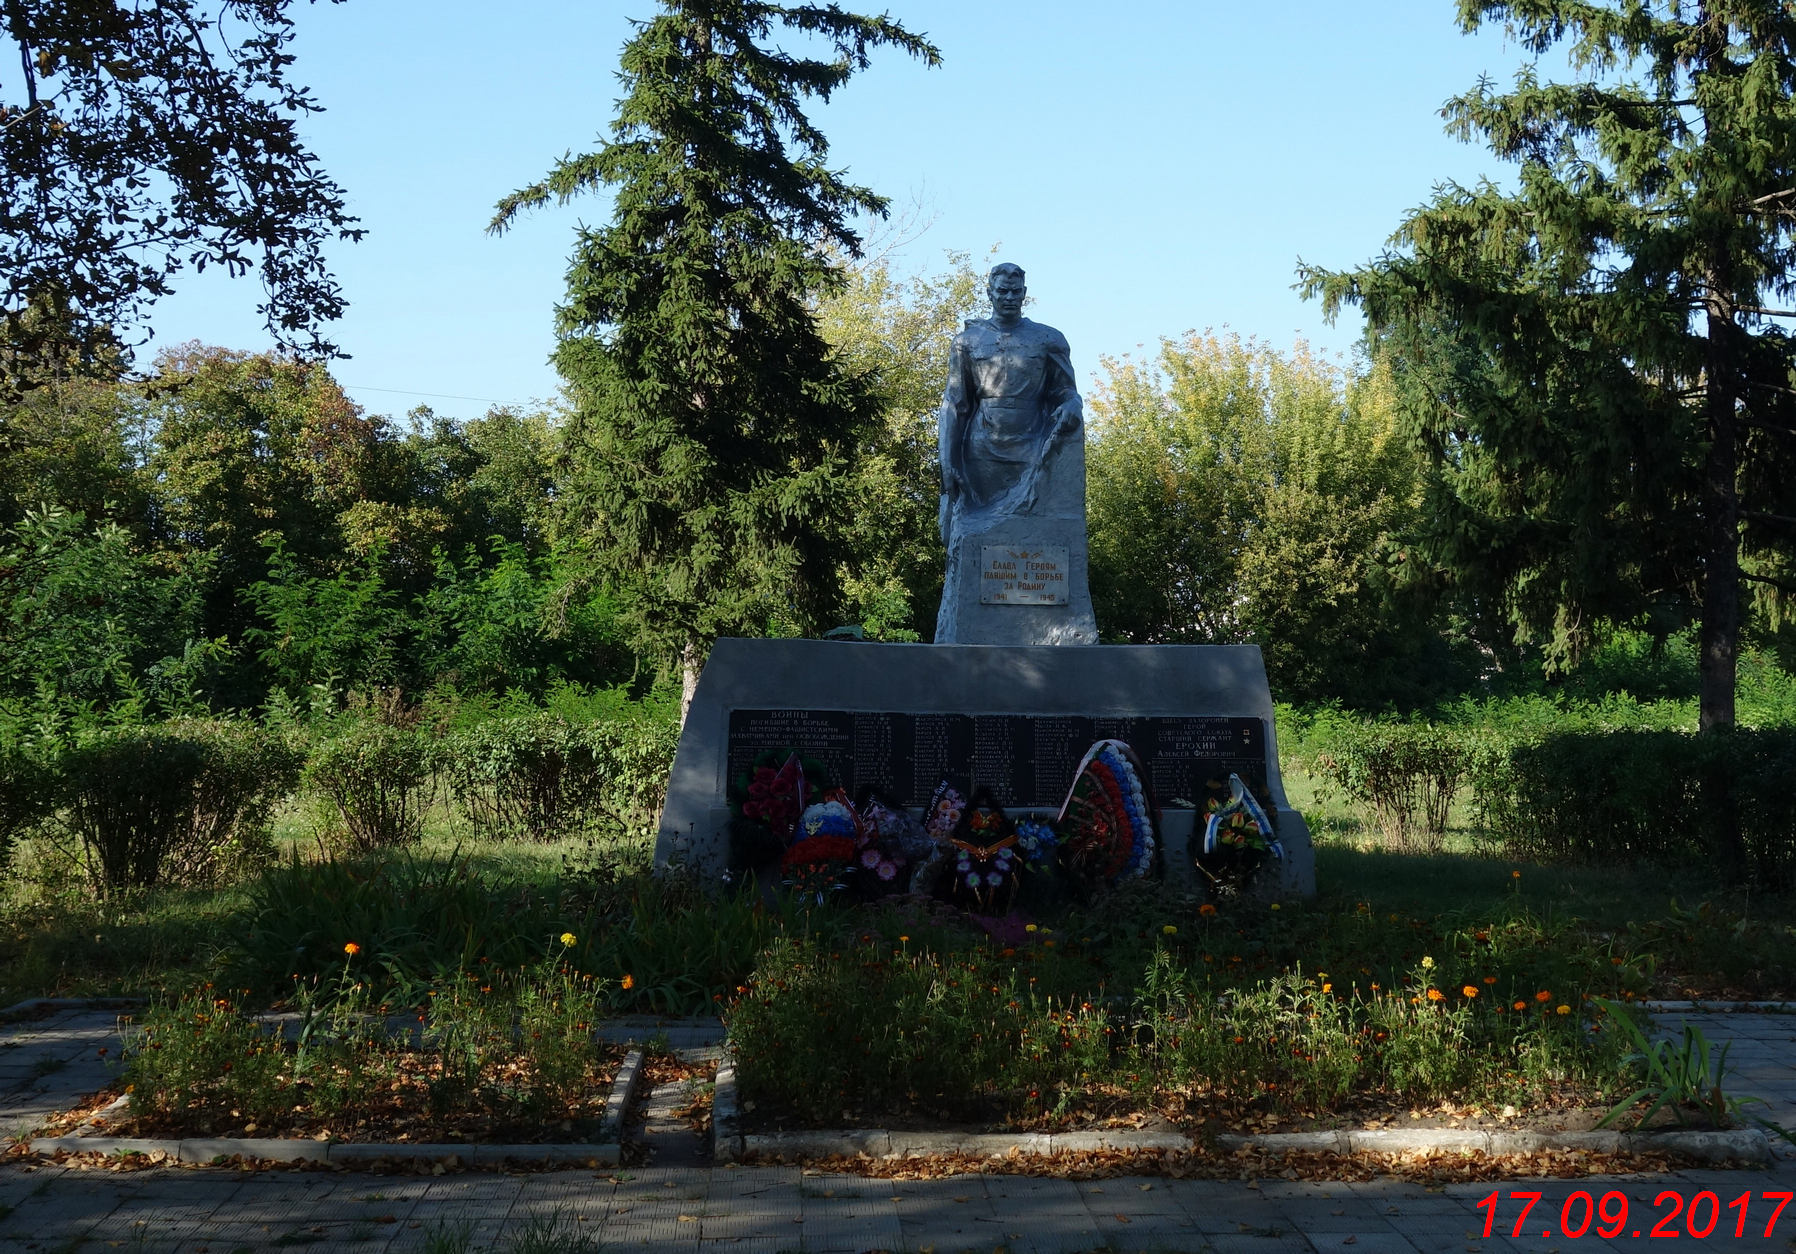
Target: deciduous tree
<point>1239,495</point>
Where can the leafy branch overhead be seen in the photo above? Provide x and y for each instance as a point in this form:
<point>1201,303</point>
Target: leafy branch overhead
<point>139,138</point>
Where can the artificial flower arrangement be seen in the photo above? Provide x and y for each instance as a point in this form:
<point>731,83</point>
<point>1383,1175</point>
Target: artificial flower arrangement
<point>890,846</point>
<point>972,854</point>
<point>1238,835</point>
<point>985,859</point>
<point>823,848</point>
<point>1106,824</point>
<point>767,802</point>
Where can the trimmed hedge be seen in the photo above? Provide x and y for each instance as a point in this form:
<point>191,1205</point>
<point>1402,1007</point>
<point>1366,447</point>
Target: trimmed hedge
<point>178,802</point>
<point>1725,800</point>
<point>543,776</point>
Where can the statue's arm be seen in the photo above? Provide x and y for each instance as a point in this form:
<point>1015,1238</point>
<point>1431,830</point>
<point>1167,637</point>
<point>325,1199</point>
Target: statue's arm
<point>956,412</point>
<point>1060,393</point>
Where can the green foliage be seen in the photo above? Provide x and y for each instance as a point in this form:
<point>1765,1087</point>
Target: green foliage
<point>180,802</point>
<point>91,624</point>
<point>1664,797</point>
<point>535,776</point>
<point>420,919</point>
<point>1405,774</point>
<point>876,1029</point>
<point>1590,360</point>
<point>1677,1075</point>
<point>200,1051</point>
<point>502,620</point>
<point>712,427</point>
<point>27,796</point>
<point>894,332</point>
<point>1241,496</point>
<point>326,629</point>
<point>379,778</point>
<point>500,1044</point>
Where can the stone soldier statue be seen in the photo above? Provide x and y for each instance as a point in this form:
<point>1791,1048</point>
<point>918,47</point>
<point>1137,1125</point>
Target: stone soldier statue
<point>1012,455</point>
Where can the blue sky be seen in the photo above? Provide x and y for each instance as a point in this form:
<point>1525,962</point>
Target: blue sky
<point>1155,165</point>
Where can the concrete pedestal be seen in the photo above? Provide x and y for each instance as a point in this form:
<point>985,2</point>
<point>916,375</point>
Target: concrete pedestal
<point>1115,682</point>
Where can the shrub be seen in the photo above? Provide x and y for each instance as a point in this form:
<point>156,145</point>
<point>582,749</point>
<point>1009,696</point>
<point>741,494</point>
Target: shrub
<point>379,779</point>
<point>27,797</point>
<point>1405,774</point>
<point>638,757</point>
<point>1664,797</point>
<point>537,775</point>
<point>546,774</point>
<point>176,802</point>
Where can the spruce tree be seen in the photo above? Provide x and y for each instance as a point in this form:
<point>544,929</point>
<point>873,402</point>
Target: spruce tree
<point>711,424</point>
<point>1597,360</point>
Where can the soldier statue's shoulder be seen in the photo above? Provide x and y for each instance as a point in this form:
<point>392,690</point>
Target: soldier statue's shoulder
<point>975,330</point>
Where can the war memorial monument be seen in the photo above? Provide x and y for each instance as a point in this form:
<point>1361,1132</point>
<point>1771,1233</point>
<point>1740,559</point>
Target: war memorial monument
<point>1015,690</point>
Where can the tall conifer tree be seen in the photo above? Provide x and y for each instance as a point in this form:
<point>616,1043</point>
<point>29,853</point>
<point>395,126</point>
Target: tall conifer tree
<point>711,422</point>
<point>1597,360</point>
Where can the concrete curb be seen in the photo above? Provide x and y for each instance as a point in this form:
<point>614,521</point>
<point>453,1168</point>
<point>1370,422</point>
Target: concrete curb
<point>1743,1146</point>
<point>726,1131</point>
<point>617,1105</point>
<point>607,1152</point>
<point>1718,1007</point>
<point>31,1005</point>
<point>732,1144</point>
<point>270,1149</point>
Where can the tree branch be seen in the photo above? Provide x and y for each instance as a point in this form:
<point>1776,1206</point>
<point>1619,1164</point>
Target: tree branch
<point>1782,585</point>
<point>1760,515</point>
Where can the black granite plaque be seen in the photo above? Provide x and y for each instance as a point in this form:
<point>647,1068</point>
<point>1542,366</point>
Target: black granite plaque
<point>1027,760</point>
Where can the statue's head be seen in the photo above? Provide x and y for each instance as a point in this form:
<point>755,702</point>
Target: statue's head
<point>1005,287</point>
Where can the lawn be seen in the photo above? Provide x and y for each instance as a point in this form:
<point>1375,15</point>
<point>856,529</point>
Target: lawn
<point>1453,986</point>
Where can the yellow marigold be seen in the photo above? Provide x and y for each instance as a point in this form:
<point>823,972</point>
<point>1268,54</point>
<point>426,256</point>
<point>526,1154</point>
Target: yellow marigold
<point>352,949</point>
<point>1434,994</point>
<point>1562,1010</point>
<point>1170,930</point>
<point>568,938</point>
<point>1328,988</point>
<point>1470,990</point>
<point>1427,963</point>
<point>629,981</point>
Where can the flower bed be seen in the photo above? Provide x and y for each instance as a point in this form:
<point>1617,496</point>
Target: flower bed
<point>487,1055</point>
<point>1215,1021</point>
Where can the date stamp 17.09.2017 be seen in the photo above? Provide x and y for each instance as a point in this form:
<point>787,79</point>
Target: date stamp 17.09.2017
<point>1608,1216</point>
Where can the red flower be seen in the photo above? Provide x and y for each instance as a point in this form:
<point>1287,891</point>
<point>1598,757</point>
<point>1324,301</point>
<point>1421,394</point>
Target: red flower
<point>819,850</point>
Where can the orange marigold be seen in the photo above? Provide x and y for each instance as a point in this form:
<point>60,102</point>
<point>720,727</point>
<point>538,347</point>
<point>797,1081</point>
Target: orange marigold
<point>1434,994</point>
<point>1543,995</point>
<point>352,949</point>
<point>1470,990</point>
<point>629,981</point>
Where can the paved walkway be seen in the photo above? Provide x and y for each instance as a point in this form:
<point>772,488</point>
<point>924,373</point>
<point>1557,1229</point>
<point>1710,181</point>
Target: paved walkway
<point>45,1065</point>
